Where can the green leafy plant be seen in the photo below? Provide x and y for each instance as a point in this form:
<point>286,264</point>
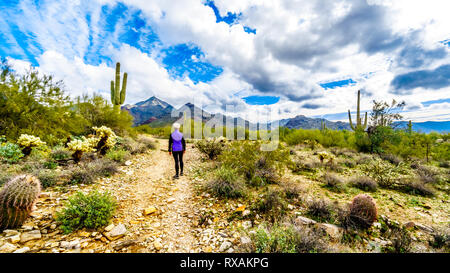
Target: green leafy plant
<point>226,183</point>
<point>92,211</point>
<point>10,152</point>
<point>210,147</point>
<point>118,155</point>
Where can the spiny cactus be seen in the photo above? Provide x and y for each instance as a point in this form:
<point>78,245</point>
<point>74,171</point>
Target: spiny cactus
<point>410,127</point>
<point>27,142</point>
<point>323,126</point>
<point>106,139</point>
<point>363,211</point>
<point>17,198</point>
<point>359,125</point>
<point>118,95</point>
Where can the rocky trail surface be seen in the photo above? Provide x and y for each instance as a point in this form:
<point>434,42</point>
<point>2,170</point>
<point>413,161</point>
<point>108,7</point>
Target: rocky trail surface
<point>155,213</point>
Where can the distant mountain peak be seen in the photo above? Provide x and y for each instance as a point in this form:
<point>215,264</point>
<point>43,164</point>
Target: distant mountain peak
<point>153,101</point>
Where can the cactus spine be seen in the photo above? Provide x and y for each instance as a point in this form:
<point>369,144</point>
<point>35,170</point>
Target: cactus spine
<point>17,199</point>
<point>359,125</point>
<point>118,95</point>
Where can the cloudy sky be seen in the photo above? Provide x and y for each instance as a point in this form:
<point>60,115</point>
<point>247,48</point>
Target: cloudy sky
<point>300,56</point>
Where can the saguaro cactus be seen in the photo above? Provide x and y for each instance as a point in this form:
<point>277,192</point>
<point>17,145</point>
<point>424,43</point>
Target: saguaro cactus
<point>117,94</point>
<point>359,124</point>
<point>17,199</point>
<point>410,127</point>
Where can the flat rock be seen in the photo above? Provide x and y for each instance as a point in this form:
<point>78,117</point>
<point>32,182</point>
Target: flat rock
<point>332,230</point>
<point>7,248</point>
<point>30,235</point>
<point>10,232</point>
<point>300,220</point>
<point>149,210</point>
<point>109,228</point>
<point>118,231</point>
<point>425,228</point>
<point>14,238</point>
<point>22,250</point>
<point>225,246</point>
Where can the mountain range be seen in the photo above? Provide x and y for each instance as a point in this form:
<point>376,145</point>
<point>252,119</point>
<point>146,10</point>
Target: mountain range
<point>158,113</point>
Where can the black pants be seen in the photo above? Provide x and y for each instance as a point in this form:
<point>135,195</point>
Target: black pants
<point>178,156</point>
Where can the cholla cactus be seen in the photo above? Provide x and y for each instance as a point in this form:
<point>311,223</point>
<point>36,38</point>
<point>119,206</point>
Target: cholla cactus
<point>27,142</point>
<point>78,147</point>
<point>325,155</point>
<point>17,199</point>
<point>106,139</point>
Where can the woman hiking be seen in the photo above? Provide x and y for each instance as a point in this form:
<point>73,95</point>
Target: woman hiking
<point>177,147</point>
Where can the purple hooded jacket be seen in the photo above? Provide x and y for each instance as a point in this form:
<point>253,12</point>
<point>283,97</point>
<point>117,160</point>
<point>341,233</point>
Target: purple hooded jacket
<point>176,142</point>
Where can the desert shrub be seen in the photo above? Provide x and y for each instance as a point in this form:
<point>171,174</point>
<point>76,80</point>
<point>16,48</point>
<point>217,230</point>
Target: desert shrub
<point>92,211</point>
<point>287,239</point>
<point>364,183</point>
<point>247,157</point>
<point>400,238</point>
<point>60,153</point>
<point>272,204</point>
<point>49,164</point>
<point>333,182</point>
<point>48,178</point>
<point>130,145</point>
<point>118,155</point>
<point>416,186</point>
<point>348,162</point>
<point>393,159</point>
<point>226,183</point>
<point>362,212</point>
<point>147,141</point>
<point>10,152</point>
<point>81,175</point>
<point>441,238</point>
<point>444,164</point>
<point>321,210</point>
<point>384,173</point>
<point>427,175</point>
<point>210,147</point>
<point>363,159</point>
<point>5,177</point>
<point>264,173</point>
<point>292,190</point>
<point>299,165</point>
<point>102,167</point>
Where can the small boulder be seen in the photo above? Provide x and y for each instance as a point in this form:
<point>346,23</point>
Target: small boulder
<point>117,231</point>
<point>7,248</point>
<point>30,235</point>
<point>149,210</point>
<point>225,246</point>
<point>300,220</point>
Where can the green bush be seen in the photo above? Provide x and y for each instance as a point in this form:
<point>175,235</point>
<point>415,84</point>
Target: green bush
<point>48,178</point>
<point>210,147</point>
<point>92,211</point>
<point>364,183</point>
<point>382,172</point>
<point>60,153</point>
<point>333,182</point>
<point>272,204</point>
<point>287,239</point>
<point>226,183</point>
<point>10,152</point>
<point>250,161</point>
<point>321,210</point>
<point>118,155</point>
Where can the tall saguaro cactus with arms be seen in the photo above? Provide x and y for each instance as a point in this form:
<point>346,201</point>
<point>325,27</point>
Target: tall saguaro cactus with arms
<point>117,94</point>
<point>359,125</point>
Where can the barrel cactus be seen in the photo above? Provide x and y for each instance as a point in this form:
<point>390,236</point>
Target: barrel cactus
<point>17,199</point>
<point>363,211</point>
<point>28,142</point>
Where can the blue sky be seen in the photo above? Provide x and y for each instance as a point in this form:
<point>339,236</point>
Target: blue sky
<point>299,56</point>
